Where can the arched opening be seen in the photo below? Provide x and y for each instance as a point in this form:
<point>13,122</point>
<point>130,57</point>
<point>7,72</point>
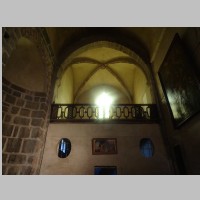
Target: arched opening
<point>103,64</point>
<point>146,147</point>
<point>25,95</point>
<point>25,60</point>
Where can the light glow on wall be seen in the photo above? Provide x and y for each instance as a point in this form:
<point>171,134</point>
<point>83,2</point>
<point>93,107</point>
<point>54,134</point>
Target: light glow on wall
<point>104,102</point>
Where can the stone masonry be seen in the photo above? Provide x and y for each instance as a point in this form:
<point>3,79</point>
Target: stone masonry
<point>25,114</point>
<point>23,129</point>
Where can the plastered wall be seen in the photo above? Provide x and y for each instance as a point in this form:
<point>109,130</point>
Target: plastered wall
<point>129,160</point>
<point>63,85</point>
<point>188,135</point>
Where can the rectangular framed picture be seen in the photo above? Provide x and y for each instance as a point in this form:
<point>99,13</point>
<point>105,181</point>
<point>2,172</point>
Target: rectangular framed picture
<point>180,83</point>
<point>102,146</point>
<point>105,170</point>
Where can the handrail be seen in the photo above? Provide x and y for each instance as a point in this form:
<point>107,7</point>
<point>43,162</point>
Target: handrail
<point>125,113</point>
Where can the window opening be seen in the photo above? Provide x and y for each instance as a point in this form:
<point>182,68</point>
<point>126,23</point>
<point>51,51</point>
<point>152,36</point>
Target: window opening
<point>146,147</point>
<point>64,148</point>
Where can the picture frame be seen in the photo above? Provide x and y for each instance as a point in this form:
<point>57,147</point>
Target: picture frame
<point>179,82</point>
<point>102,146</point>
<point>105,170</point>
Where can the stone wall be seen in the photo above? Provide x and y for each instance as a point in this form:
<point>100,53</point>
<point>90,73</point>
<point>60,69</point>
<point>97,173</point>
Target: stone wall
<point>24,125</point>
<point>24,113</point>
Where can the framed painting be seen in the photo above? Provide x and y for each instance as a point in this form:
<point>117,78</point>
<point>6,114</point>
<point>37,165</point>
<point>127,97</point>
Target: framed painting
<point>105,170</point>
<point>180,84</point>
<point>104,146</point>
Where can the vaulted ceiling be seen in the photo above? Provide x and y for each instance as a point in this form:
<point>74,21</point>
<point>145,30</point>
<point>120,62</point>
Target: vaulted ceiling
<point>102,66</point>
<point>144,38</point>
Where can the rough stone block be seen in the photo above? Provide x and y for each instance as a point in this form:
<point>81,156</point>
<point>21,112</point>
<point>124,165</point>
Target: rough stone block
<point>41,94</point>
<point>24,132</point>
<point>5,104</point>
<point>42,99</point>
<point>37,133</point>
<point>3,142</point>
<point>7,118</point>
<point>6,82</point>
<point>25,112</point>
<point>26,170</point>
<point>13,145</point>
<point>7,129</point>
<point>37,122</point>
<point>37,99</point>
<point>20,102</point>
<point>32,160</point>
<point>10,99</point>
<point>17,94</point>
<point>13,170</point>
<point>5,108</point>
<point>14,110</point>
<point>29,146</point>
<point>4,158</point>
<point>15,132</point>
<point>44,107</point>
<point>18,88</point>
<point>27,97</point>
<point>17,159</point>
<point>21,120</point>
<point>38,114</point>
<point>6,89</point>
<point>32,105</point>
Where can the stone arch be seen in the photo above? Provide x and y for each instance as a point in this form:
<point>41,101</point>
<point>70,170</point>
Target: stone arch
<point>25,112</point>
<point>134,59</point>
<point>23,62</point>
<point>35,35</point>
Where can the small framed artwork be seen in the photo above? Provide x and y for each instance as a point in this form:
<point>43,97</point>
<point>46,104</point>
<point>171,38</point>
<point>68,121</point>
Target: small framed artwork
<point>105,170</point>
<point>180,83</point>
<point>102,146</point>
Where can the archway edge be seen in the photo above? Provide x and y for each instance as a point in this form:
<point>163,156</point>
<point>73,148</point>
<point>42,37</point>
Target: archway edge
<point>109,44</point>
<point>39,38</point>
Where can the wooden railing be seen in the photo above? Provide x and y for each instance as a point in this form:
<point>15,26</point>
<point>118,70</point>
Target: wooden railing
<point>119,113</point>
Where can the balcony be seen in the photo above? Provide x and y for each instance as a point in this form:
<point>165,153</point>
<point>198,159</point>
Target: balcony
<point>119,113</point>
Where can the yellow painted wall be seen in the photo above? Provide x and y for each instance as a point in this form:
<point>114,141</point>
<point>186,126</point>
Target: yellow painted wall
<point>81,161</point>
<point>141,89</point>
<point>63,92</point>
<point>91,95</point>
